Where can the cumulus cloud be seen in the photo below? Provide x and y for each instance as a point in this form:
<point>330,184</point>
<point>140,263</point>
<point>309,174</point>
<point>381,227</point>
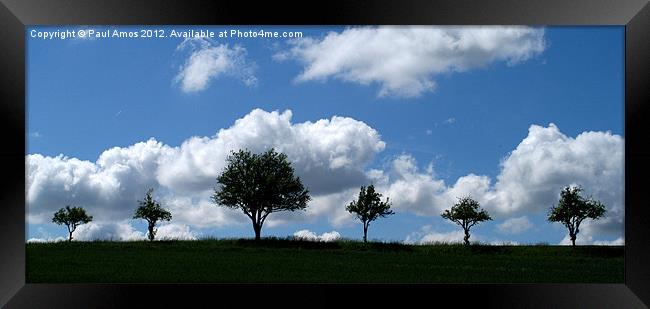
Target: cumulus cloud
<point>311,236</point>
<point>529,182</point>
<point>207,61</point>
<point>124,231</point>
<point>515,225</point>
<point>171,231</point>
<point>427,236</point>
<point>435,237</point>
<point>421,191</point>
<point>546,160</point>
<point>46,240</point>
<point>594,232</point>
<point>109,187</point>
<point>329,155</point>
<point>201,212</point>
<point>115,231</point>
<point>404,60</point>
<point>616,242</point>
<point>590,236</point>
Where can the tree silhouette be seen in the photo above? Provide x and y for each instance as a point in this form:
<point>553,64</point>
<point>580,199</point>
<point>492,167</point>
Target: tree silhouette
<point>572,209</point>
<point>151,211</point>
<point>259,185</point>
<point>71,217</point>
<point>466,213</point>
<point>368,207</point>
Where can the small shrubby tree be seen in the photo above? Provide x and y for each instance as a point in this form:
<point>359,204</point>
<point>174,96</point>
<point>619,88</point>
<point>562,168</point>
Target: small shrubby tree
<point>71,217</point>
<point>368,207</point>
<point>572,209</point>
<point>466,213</point>
<point>259,185</point>
<point>151,211</point>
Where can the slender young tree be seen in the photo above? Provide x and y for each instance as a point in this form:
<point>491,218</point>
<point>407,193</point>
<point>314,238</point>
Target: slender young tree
<point>259,185</point>
<point>572,209</point>
<point>151,211</point>
<point>368,207</point>
<point>466,213</point>
<point>71,217</point>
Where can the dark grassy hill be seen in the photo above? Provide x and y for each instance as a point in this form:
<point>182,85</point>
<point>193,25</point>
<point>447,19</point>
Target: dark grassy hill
<point>290,261</point>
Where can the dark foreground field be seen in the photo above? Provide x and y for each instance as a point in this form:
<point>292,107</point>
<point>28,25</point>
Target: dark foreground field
<point>277,260</point>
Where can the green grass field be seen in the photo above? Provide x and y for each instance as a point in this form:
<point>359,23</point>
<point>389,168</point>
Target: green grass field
<point>290,261</point>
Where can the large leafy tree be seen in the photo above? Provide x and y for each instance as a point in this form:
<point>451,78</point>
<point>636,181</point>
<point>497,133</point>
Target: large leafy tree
<point>572,209</point>
<point>259,185</point>
<point>151,211</point>
<point>368,207</point>
<point>71,217</point>
<point>466,213</point>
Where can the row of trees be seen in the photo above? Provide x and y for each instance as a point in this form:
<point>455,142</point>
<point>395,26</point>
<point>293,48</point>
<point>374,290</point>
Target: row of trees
<point>148,210</point>
<point>262,184</point>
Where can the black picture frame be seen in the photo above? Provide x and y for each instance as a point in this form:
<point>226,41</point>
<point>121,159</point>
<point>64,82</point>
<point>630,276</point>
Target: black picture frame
<point>15,15</point>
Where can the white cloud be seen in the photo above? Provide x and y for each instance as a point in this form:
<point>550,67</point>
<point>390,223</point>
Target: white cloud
<point>404,60</point>
<point>115,231</point>
<point>311,236</point>
<point>616,242</point>
<point>533,175</point>
<point>171,231</point>
<point>530,180</point>
<point>504,243</point>
<point>200,211</point>
<point>330,206</point>
<point>435,237</point>
<point>208,61</point>
<point>546,160</point>
<point>421,192</point>
<point>123,231</point>
<point>593,232</point>
<point>108,188</point>
<point>329,155</point>
<point>426,236</point>
<point>515,225</point>
<point>46,240</point>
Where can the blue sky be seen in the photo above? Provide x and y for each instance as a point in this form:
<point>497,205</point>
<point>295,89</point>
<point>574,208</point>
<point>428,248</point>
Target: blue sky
<point>457,111</point>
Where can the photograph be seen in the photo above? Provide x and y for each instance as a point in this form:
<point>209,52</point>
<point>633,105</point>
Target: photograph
<point>221,153</point>
<point>311,154</point>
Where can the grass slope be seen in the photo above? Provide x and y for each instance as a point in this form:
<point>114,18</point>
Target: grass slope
<point>290,261</point>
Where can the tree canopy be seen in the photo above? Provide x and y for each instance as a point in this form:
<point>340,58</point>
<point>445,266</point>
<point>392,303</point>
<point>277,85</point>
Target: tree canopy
<point>368,207</point>
<point>151,211</point>
<point>71,217</point>
<point>466,213</point>
<point>572,209</point>
<point>259,185</point>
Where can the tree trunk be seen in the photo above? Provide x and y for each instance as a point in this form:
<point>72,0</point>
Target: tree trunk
<point>258,231</point>
<point>365,233</point>
<point>573,240</point>
<point>151,234</point>
<point>466,239</point>
<point>70,236</point>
